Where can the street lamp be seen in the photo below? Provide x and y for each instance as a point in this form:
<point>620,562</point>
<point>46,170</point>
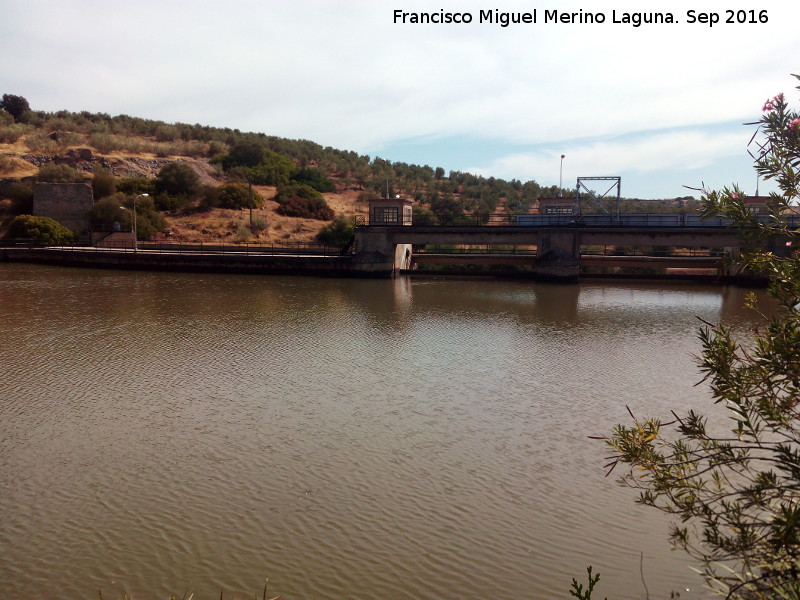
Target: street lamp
<point>561,177</point>
<point>135,241</point>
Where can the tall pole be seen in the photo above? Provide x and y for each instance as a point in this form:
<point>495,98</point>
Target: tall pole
<point>561,177</point>
<point>135,231</point>
<point>250,196</point>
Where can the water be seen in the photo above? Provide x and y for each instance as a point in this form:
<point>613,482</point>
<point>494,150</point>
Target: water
<point>347,439</point>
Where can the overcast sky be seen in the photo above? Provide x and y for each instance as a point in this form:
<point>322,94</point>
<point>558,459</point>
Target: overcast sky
<point>661,105</point>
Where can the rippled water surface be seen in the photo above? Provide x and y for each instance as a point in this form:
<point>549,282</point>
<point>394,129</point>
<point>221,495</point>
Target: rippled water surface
<point>347,439</point>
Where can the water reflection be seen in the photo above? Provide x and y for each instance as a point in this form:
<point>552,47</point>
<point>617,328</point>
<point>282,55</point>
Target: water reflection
<point>347,438</point>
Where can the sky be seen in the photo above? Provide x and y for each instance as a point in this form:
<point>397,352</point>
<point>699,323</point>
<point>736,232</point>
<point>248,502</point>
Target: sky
<point>661,105</point>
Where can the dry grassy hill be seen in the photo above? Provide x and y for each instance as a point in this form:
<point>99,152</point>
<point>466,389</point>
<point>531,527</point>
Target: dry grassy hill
<point>18,161</point>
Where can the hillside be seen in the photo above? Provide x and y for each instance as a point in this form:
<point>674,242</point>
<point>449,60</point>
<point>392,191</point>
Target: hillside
<point>289,175</point>
<point>217,224</point>
<point>129,147</point>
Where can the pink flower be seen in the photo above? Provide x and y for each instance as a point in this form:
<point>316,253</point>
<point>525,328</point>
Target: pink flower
<point>794,124</point>
<point>735,195</point>
<point>788,243</point>
<point>768,106</point>
<point>778,98</point>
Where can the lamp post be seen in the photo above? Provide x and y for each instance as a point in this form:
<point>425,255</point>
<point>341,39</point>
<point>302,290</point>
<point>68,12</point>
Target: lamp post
<point>135,241</point>
<point>561,177</point>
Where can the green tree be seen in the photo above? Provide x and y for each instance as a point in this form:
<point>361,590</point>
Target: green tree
<point>422,216</point>
<point>339,233</point>
<point>247,153</point>
<point>106,211</point>
<point>136,185</point>
<point>314,178</point>
<point>178,179</point>
<point>148,220</point>
<point>275,169</point>
<point>103,183</point>
<point>237,196</point>
<point>737,496</point>
<point>16,106</point>
<point>43,230</point>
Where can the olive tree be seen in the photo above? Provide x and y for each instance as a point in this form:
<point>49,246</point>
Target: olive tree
<point>177,179</point>
<point>238,196</point>
<point>736,495</point>
<point>16,106</point>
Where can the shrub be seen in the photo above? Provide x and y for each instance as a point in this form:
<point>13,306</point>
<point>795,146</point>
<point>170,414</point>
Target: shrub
<point>148,220</point>
<point>59,174</point>
<point>210,198</point>
<point>167,203</point>
<point>41,142</point>
<point>237,196</point>
<point>422,216</point>
<point>243,234</point>
<point>41,229</point>
<point>299,200</point>
<point>306,208</point>
<point>64,139</point>
<point>246,153</point>
<point>736,494</point>
<point>103,183</point>
<point>275,169</point>
<point>136,186</point>
<point>178,179</point>
<point>11,133</point>
<point>163,150</point>
<point>192,149</point>
<point>258,224</point>
<point>166,133</point>
<point>338,233</point>
<point>297,190</point>
<point>215,148</point>
<point>313,178</point>
<point>104,143</point>
<point>21,193</point>
<point>108,210</point>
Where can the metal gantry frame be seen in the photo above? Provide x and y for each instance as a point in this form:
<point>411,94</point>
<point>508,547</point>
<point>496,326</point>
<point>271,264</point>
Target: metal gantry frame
<point>617,182</point>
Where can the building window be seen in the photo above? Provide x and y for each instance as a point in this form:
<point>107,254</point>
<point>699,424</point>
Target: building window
<point>387,214</point>
<point>558,210</point>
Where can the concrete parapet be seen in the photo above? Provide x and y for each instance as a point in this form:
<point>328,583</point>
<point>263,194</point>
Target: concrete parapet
<point>190,262</point>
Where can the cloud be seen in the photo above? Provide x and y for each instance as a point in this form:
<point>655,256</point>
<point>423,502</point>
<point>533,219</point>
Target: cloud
<point>344,74</point>
<point>679,150</point>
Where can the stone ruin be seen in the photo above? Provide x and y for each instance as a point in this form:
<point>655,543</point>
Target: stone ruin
<point>67,203</point>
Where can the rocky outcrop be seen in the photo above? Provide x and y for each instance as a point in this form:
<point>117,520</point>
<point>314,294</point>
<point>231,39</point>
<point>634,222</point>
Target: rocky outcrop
<point>85,160</point>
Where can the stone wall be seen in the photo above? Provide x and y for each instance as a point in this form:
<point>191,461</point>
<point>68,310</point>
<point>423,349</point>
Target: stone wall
<point>67,203</point>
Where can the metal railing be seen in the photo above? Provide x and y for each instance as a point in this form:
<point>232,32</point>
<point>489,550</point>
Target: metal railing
<point>609,250</point>
<point>473,249</point>
<point>578,220</point>
<point>243,248</point>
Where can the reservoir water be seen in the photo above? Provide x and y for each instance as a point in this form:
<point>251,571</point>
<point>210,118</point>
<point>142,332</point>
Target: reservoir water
<point>414,438</point>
